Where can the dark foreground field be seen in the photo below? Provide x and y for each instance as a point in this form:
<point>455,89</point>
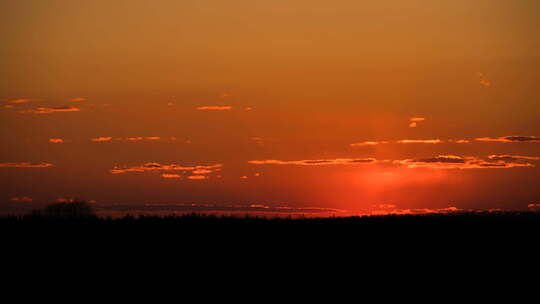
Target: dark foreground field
<point>464,233</point>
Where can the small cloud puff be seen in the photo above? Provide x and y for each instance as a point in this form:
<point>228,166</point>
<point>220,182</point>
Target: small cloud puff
<point>459,141</point>
<point>168,175</point>
<point>202,171</point>
<point>483,81</point>
<point>49,110</point>
<point>100,139</point>
<point>197,177</point>
<point>414,121</point>
<point>65,200</point>
<point>25,165</point>
<point>368,143</point>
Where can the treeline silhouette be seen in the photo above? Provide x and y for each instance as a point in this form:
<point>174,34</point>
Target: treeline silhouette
<point>81,212</point>
<point>66,210</point>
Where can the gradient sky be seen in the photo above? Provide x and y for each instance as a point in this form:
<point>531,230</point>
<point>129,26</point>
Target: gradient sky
<point>271,106</point>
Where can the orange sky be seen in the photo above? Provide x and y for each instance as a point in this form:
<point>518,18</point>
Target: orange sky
<point>270,106</point>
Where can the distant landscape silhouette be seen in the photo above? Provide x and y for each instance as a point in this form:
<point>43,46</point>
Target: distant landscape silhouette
<point>65,210</point>
<point>83,212</point>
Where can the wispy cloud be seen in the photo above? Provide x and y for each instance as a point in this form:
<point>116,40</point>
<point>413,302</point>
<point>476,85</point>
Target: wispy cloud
<point>129,139</point>
<point>23,100</point>
<point>23,199</point>
<point>315,162</point>
<point>512,158</point>
<point>261,141</point>
<point>459,141</point>
<point>25,165</point>
<point>56,140</point>
<point>214,108</point>
<point>139,138</point>
<point>368,143</point>
<point>78,99</point>
<point>208,208</point>
<point>510,139</point>
<point>49,110</point>
<point>420,141</point>
<point>469,162</point>
<point>410,141</point>
<point>397,211</point>
<point>171,171</point>
<point>436,162</point>
<point>386,206</point>
<point>159,167</point>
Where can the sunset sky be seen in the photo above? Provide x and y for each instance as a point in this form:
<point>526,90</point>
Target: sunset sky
<point>277,107</point>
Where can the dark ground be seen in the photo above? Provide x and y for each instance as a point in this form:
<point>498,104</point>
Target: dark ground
<point>437,238</point>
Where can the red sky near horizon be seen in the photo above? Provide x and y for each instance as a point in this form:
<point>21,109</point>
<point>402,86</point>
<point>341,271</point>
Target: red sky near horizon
<point>271,106</point>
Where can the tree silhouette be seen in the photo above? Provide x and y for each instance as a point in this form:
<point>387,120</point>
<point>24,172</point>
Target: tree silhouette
<point>77,209</point>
